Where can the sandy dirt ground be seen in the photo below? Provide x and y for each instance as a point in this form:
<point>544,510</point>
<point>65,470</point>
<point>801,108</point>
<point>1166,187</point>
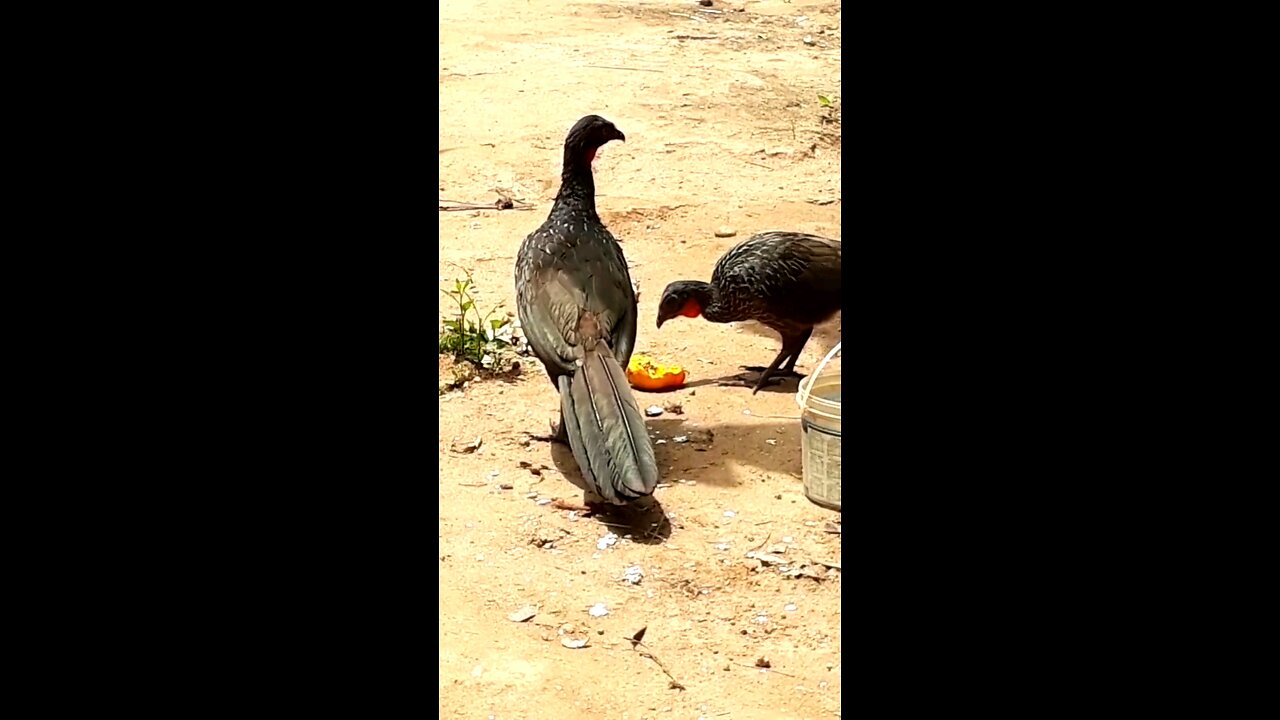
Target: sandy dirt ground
<point>723,128</point>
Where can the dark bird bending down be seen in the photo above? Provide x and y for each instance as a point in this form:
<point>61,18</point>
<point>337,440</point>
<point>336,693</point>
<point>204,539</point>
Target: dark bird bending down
<point>578,310</point>
<point>784,280</point>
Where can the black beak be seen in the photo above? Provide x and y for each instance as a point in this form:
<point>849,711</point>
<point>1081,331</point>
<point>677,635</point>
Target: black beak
<point>619,135</point>
<point>660,321</point>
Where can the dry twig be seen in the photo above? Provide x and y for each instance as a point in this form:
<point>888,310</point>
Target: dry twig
<point>647,652</point>
<point>756,667</point>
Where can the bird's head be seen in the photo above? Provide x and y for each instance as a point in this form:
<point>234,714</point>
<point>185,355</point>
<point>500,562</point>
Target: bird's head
<point>682,298</point>
<point>587,135</point>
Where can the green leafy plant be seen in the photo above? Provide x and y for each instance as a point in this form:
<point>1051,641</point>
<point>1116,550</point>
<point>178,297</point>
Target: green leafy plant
<point>482,339</point>
<point>830,109</point>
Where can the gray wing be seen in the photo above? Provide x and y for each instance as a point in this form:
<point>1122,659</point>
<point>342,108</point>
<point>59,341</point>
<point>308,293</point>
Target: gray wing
<point>552,298</point>
<point>795,275</point>
<point>549,311</point>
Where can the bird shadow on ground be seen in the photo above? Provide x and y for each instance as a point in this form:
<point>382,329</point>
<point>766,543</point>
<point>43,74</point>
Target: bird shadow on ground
<point>746,379</point>
<point>644,520</point>
<point>712,451</point>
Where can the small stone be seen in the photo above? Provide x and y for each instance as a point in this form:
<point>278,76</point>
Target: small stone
<point>730,513</point>
<point>607,541</point>
<point>653,411</point>
<point>808,40</point>
<point>771,441</point>
<point>506,486</point>
<point>544,501</point>
<point>724,231</point>
<point>633,575</point>
<point>786,538</point>
<point>598,610</point>
<point>680,439</point>
<point>574,643</point>
<point>524,614</point>
<point>704,3</point>
<point>789,607</point>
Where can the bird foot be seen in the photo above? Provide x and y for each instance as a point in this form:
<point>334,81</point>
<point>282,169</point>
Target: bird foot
<point>757,382</point>
<point>558,435</point>
<point>776,373</point>
<point>748,381</point>
<point>584,510</point>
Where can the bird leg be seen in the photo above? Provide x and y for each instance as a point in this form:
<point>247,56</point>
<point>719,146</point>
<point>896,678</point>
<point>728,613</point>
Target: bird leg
<point>796,344</point>
<point>772,375</point>
<point>768,372</point>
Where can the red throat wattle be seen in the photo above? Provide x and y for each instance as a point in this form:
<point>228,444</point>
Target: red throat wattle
<point>591,156</point>
<point>691,308</point>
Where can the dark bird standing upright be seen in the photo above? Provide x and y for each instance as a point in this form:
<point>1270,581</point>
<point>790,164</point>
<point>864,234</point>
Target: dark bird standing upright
<point>784,280</point>
<point>577,307</point>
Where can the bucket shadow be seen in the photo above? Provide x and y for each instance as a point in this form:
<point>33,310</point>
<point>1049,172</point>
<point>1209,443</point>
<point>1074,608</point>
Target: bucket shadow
<point>713,451</point>
<point>645,519</point>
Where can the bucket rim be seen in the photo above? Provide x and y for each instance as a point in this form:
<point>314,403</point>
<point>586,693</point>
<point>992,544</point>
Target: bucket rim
<point>803,397</point>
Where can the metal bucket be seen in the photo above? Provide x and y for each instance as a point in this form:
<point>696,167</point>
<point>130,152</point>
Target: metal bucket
<point>819,401</point>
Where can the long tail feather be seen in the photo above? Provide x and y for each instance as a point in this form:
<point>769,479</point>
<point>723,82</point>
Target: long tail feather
<point>606,430</point>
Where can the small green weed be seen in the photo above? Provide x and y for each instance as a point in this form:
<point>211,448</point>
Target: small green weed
<point>485,340</point>
<point>830,106</point>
